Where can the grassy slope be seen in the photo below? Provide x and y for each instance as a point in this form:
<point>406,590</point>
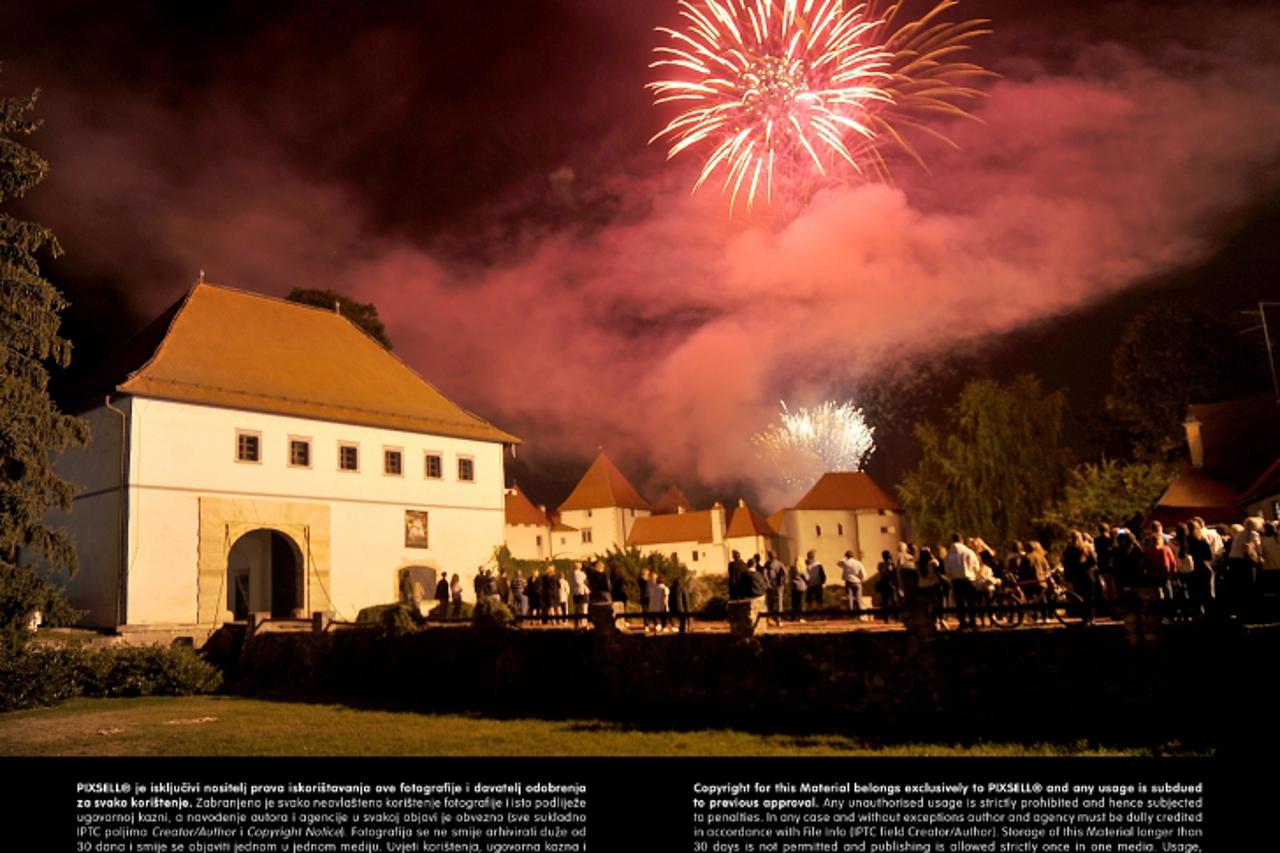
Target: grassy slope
<point>168,726</point>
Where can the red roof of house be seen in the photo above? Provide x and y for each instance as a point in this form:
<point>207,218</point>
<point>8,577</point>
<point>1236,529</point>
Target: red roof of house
<point>847,490</point>
<point>240,350</point>
<point>747,522</point>
<point>680,527</point>
<point>520,510</point>
<point>1267,484</point>
<point>603,486</point>
<point>1193,494</point>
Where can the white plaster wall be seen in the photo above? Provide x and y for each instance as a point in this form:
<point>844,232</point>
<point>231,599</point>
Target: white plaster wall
<point>711,559</point>
<point>522,541</point>
<point>93,522</point>
<point>181,451</point>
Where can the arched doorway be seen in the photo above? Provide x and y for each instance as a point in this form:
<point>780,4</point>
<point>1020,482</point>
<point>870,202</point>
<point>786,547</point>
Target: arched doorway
<point>264,574</point>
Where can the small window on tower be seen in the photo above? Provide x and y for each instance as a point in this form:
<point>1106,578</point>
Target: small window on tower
<point>348,457</point>
<point>393,462</point>
<point>299,452</point>
<point>248,446</point>
<point>466,469</point>
<point>434,467</point>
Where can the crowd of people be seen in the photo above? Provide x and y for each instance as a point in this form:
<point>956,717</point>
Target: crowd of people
<point>1192,569</point>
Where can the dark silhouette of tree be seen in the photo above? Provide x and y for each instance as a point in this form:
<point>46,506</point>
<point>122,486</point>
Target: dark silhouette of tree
<point>32,428</point>
<point>363,314</point>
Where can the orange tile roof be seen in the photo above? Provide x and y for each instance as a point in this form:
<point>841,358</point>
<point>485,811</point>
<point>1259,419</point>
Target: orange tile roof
<point>1267,484</point>
<point>847,490</point>
<point>672,500</point>
<point>603,486</point>
<point>240,350</point>
<point>747,522</point>
<point>680,527</point>
<point>1194,494</point>
<point>520,510</point>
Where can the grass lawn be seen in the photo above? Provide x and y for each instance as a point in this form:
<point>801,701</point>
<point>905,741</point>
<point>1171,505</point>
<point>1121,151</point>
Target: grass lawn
<point>221,725</point>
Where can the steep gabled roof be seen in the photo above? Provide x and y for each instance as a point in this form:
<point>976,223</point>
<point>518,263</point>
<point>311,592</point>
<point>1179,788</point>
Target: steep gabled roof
<point>680,527</point>
<point>673,500</point>
<point>1192,493</point>
<point>747,522</point>
<point>240,350</point>
<point>603,486</point>
<point>1265,486</point>
<point>848,490</point>
<point>520,510</point>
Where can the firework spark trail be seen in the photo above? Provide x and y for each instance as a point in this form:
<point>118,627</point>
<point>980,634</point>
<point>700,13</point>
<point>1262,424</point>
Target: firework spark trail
<point>808,442</point>
<point>772,84</point>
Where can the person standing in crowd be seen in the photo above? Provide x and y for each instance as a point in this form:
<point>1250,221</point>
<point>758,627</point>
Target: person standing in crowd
<point>962,571</point>
<point>680,598</point>
<point>618,589</point>
<point>519,600</point>
<point>736,568</point>
<point>1103,543</point>
<point>658,602</point>
<point>853,573</point>
<point>578,589</point>
<point>565,597</point>
<point>1244,564</point>
<point>904,565</point>
<point>646,595</point>
<point>775,578</point>
<point>442,596</point>
<point>1202,580</point>
<point>1271,559</point>
<point>1159,565</point>
<point>455,593</point>
<point>930,585</point>
<point>550,594</point>
<point>502,587</point>
<point>817,581</point>
<point>799,587</point>
<point>598,587</point>
<point>1080,568</point>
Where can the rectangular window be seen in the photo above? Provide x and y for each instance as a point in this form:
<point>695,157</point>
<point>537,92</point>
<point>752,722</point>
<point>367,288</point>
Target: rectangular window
<point>434,467</point>
<point>586,536</point>
<point>695,557</point>
<point>393,461</point>
<point>839,529</point>
<point>299,452</point>
<point>466,469</point>
<point>248,446</point>
<point>884,530</point>
<point>588,513</point>
<point>539,538</point>
<point>348,457</point>
<point>818,529</point>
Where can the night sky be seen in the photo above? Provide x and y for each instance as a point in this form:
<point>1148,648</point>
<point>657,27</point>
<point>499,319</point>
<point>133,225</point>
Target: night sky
<point>480,171</point>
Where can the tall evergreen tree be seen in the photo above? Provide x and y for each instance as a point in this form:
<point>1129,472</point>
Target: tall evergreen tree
<point>31,426</point>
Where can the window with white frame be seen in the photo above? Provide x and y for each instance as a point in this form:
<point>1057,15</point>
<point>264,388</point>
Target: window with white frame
<point>433,467</point>
<point>348,456</point>
<point>393,461</point>
<point>466,469</point>
<point>248,446</point>
<point>299,452</point>
<point>586,536</point>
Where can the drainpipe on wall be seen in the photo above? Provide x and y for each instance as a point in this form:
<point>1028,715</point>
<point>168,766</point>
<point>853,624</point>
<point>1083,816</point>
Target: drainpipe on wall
<point>121,498</point>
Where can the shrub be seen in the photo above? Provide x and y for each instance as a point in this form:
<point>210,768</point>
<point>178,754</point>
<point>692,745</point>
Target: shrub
<point>22,592</point>
<point>396,620</point>
<point>43,675</point>
<point>492,614</point>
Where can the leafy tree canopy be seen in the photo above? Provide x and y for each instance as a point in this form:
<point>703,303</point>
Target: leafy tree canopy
<point>363,314</point>
<point>1172,355</point>
<point>992,467</point>
<point>1109,491</point>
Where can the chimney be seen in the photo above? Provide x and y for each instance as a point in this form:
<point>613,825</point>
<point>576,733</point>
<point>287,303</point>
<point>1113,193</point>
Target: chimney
<point>742,503</point>
<point>717,522</point>
<point>1195,442</point>
<point>679,510</point>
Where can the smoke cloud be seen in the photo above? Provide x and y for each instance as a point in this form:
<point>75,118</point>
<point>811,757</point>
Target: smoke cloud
<point>655,326</point>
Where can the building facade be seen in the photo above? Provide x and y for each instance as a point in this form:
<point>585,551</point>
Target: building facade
<point>255,456</point>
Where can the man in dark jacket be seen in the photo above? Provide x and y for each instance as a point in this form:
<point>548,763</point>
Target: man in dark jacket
<point>680,600</point>
<point>736,568</point>
<point>442,596</point>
